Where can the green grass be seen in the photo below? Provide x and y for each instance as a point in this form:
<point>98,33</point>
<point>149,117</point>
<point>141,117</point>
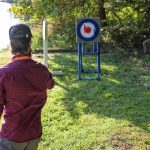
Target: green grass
<point>5,57</point>
<point>111,114</point>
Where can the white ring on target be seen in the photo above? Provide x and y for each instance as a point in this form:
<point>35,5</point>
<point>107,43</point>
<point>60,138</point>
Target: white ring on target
<point>91,33</point>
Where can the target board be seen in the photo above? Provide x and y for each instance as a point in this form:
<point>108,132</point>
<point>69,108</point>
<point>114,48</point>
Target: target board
<point>87,30</point>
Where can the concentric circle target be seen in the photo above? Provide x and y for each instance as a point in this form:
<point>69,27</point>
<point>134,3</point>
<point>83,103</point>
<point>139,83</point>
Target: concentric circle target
<point>87,29</point>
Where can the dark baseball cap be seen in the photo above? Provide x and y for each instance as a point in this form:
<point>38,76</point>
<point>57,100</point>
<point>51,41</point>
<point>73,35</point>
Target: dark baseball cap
<point>20,31</point>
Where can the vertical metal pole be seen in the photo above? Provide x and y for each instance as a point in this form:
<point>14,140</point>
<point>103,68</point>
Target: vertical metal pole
<point>93,48</point>
<point>82,53</point>
<point>79,60</point>
<point>45,43</point>
<point>82,48</point>
<point>98,60</point>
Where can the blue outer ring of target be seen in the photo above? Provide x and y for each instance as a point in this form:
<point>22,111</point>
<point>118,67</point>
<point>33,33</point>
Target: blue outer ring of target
<point>87,21</point>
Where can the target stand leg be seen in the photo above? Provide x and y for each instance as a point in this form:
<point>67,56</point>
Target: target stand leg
<point>96,52</point>
<point>79,61</point>
<point>98,61</point>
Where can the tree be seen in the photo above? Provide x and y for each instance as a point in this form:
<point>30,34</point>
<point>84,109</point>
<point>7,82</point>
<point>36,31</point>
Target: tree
<point>102,13</point>
<point>126,19</point>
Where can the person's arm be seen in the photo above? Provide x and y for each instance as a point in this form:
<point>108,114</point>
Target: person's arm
<point>50,81</point>
<point>2,99</point>
<point>1,109</point>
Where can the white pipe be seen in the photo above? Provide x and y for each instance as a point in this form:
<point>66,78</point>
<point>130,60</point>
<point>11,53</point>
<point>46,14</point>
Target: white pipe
<point>45,43</point>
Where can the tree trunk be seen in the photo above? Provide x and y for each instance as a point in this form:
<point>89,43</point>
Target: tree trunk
<point>102,13</point>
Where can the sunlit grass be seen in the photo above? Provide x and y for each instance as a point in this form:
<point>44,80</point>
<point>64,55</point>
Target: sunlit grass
<point>109,68</point>
<point>110,114</point>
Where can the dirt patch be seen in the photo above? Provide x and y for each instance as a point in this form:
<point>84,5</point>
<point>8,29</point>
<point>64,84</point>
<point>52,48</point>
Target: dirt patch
<point>120,141</point>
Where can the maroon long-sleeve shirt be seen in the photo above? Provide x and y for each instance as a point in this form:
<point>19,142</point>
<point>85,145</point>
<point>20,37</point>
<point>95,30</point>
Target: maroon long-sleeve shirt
<point>23,85</point>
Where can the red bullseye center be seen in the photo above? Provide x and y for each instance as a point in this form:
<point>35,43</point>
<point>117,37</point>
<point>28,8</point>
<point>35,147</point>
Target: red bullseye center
<point>87,29</point>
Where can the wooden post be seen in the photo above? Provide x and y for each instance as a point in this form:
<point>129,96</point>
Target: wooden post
<point>45,43</point>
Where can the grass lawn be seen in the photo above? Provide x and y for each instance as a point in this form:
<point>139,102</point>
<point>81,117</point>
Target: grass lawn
<point>111,114</point>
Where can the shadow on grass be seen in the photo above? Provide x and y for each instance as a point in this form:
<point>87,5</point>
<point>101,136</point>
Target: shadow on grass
<point>122,93</point>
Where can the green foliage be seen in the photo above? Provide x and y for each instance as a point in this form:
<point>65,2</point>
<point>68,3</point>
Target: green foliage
<point>127,22</point>
<point>37,41</point>
<point>55,41</point>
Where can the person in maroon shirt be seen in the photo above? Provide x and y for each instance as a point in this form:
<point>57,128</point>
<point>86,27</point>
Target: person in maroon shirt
<point>23,86</point>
